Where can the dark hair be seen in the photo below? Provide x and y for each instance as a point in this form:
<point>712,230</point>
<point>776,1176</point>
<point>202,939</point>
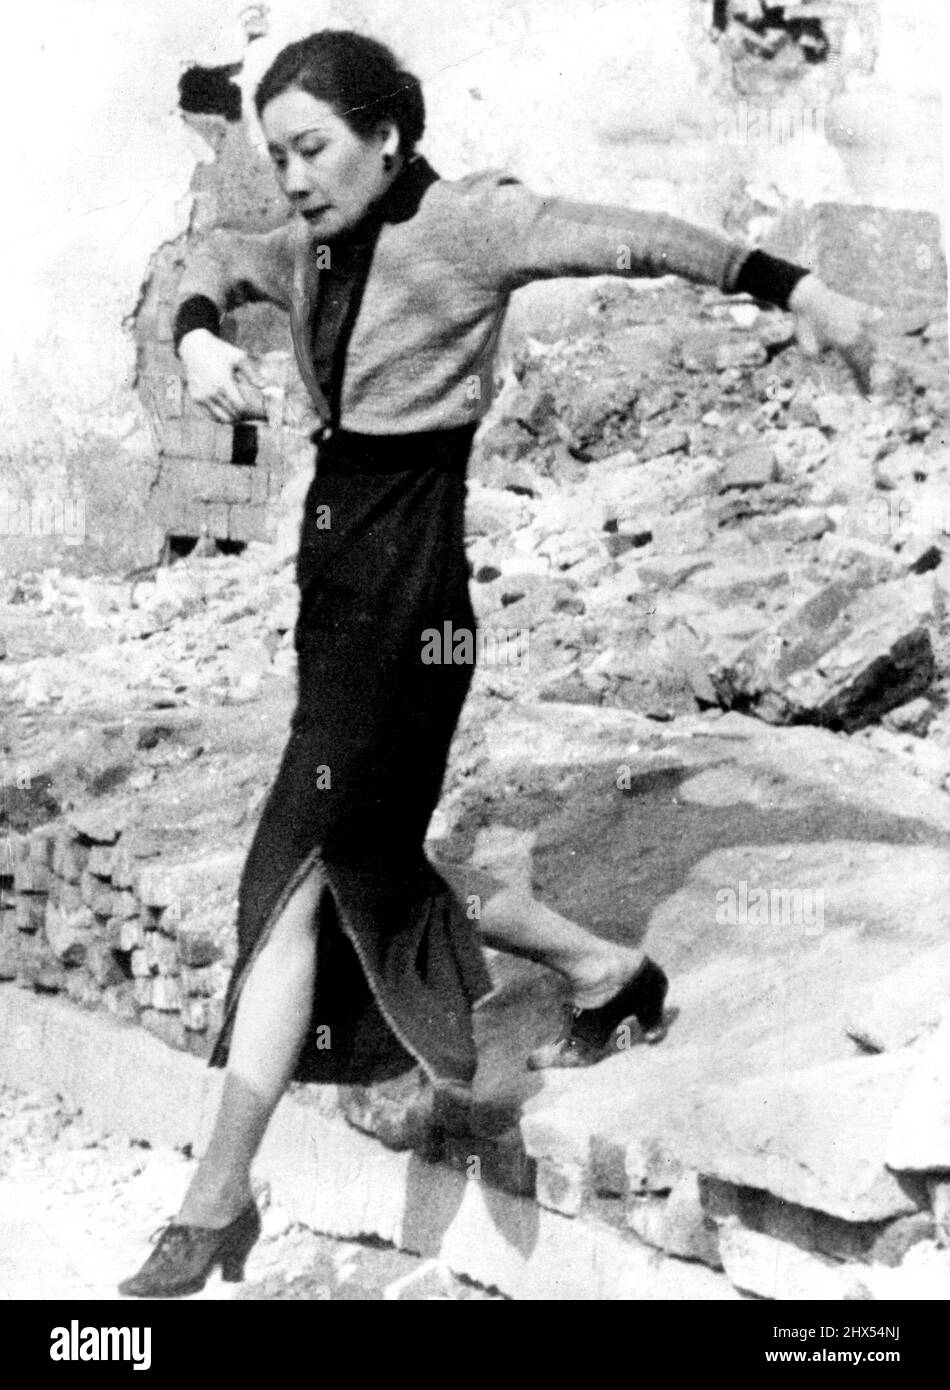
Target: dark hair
<point>357,76</point>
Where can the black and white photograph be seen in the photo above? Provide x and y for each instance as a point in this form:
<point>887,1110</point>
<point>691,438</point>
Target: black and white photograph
<point>475,665</point>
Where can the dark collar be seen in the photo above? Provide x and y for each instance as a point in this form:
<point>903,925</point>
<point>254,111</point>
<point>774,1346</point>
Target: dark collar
<point>399,203</point>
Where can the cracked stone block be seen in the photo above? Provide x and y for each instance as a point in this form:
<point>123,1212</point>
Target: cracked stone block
<point>678,1223</point>
<point>820,1137</point>
<point>843,659</point>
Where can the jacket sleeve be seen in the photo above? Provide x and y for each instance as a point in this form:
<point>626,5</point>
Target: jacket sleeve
<point>522,236</point>
<point>231,268</point>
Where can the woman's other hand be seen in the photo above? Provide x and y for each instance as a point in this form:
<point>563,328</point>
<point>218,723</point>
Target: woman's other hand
<point>826,319</point>
<point>221,378</point>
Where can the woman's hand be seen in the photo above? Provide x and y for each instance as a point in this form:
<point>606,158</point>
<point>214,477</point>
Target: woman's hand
<point>826,319</point>
<point>220,378</point>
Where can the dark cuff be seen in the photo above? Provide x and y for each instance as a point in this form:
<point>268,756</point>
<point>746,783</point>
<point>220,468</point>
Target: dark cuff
<point>768,278</point>
<point>197,311</point>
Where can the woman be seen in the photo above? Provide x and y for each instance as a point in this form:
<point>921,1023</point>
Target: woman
<point>355,959</point>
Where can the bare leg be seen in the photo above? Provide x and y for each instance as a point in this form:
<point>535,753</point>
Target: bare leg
<point>514,921</point>
<point>269,1029</point>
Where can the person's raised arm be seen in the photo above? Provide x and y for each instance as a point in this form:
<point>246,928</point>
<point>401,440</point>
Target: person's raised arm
<point>224,270</point>
<point>520,236</point>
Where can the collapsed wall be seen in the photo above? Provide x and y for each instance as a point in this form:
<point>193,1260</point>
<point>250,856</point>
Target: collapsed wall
<point>729,112</point>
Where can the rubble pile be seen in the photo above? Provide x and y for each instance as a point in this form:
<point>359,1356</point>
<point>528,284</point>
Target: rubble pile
<point>672,516</point>
<point>672,511</point>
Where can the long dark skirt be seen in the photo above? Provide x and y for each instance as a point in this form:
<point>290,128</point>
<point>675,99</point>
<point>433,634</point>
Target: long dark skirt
<point>399,967</point>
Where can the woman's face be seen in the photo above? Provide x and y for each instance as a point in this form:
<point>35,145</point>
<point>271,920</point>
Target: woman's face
<point>330,175</point>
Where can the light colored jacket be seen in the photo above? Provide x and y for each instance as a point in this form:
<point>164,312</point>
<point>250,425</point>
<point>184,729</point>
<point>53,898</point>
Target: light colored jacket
<point>420,354</point>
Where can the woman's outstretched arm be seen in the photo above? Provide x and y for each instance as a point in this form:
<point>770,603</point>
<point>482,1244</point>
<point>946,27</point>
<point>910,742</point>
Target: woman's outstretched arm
<point>520,236</point>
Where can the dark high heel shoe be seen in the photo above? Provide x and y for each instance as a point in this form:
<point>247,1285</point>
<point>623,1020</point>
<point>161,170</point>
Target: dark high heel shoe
<point>590,1035</point>
<point>185,1256</point>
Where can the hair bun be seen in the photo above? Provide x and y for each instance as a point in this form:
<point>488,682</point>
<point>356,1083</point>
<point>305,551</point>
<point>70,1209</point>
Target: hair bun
<point>413,107</point>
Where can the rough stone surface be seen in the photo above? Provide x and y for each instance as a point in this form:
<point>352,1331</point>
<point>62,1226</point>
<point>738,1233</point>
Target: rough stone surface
<point>818,1138</point>
<point>845,658</point>
<point>920,1134</point>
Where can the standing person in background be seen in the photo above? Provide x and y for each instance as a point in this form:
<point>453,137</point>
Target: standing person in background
<point>397,282</point>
